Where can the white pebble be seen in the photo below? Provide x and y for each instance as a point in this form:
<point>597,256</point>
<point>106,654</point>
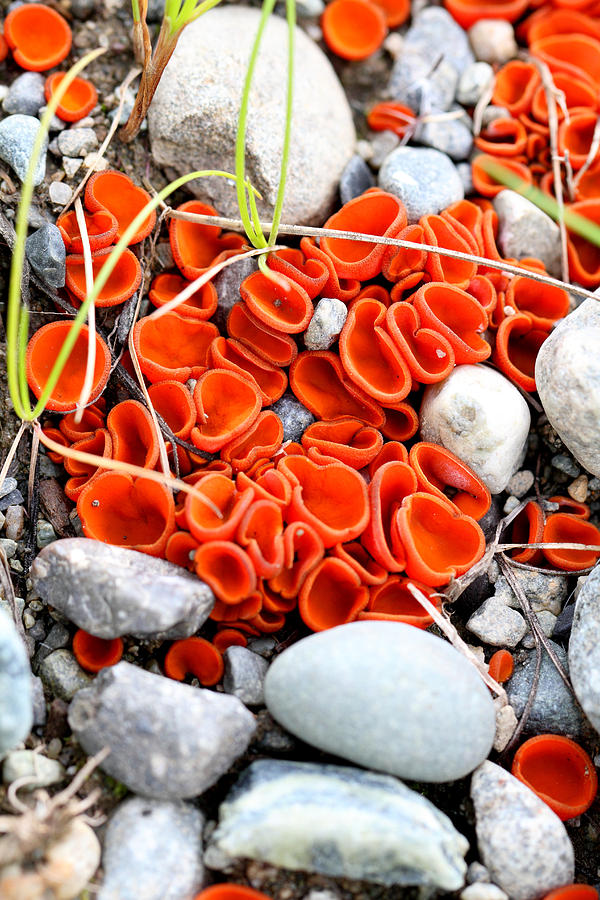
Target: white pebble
<point>60,193</point>
<point>326,324</point>
<point>482,891</point>
<point>493,40</point>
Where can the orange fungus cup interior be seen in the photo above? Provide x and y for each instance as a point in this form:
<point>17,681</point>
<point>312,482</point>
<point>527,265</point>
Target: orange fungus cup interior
<point>94,653</point>
<point>559,771</point>
<point>42,351</point>
<point>38,36</point>
<point>353,29</point>
<point>79,99</point>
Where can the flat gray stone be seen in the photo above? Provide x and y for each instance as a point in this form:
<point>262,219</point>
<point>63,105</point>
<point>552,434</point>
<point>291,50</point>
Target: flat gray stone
<point>524,230</point>
<point>152,851</point>
<point>478,414</point>
<point>416,81</point>
<point>449,136</point>
<point>111,591</point>
<point>355,179</point>
<point>17,137</point>
<point>436,33</point>
<point>326,324</point>
<point>193,118</point>
<point>554,709</point>
<point>16,707</point>
<point>294,416</point>
<point>544,592</point>
<point>567,375</point>
<point>522,842</point>
<point>424,179</point>
<point>419,711</point>
<point>60,193</point>
<point>244,676</point>
<point>496,624</point>
<point>46,254</point>
<point>77,141</point>
<point>547,622</point>
<point>62,674</point>
<point>584,648</point>
<point>339,821</point>
<point>168,740</point>
<point>25,95</point>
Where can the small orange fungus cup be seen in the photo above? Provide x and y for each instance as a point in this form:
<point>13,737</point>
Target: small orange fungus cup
<point>353,29</point>
<point>501,665</point>
<point>42,350</point>
<point>196,656</point>
<point>39,37</point>
<point>559,771</point>
<point>94,653</point>
<point>79,100</point>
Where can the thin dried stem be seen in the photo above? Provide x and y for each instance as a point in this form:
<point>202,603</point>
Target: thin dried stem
<point>11,453</point>
<point>592,154</point>
<point>90,364</point>
<point>6,587</point>
<point>482,104</point>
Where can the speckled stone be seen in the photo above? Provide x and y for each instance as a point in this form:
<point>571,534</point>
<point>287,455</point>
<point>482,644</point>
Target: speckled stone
<point>436,33</point>
<point>17,137</point>
<point>522,842</point>
<point>584,648</point>
<point>45,251</point>
<point>493,40</point>
<point>193,119</point>
<point>326,324</point>
<point>294,416</point>
<point>245,675</point>
<point>25,95</point>
<point>544,592</point>
<point>424,179</point>
<point>16,708</point>
<point>524,230</point>
<point>498,625</point>
<point>421,713</point>
<point>338,821</point>
<point>62,674</point>
<point>152,850</point>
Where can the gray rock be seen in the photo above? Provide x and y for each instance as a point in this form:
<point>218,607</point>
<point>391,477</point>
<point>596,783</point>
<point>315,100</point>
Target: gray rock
<point>547,622</point>
<point>524,230</point>
<point>564,623</point>
<point>466,176</point>
<point>227,284</point>
<point>27,764</point>
<point>110,591</point>
<point>326,324</point>
<point>416,81</point>
<point>38,700</point>
<point>473,82</point>
<point>483,891</point>
<point>355,179</point>
<point>152,851</point>
<point>496,624</point>
<point>479,415</point>
<point>55,124</point>
<point>554,709</point>
<point>45,251</point>
<point>584,648</point>
<point>435,33</point>
<point>14,522</point>
<point>77,141</point>
<point>544,592</point>
<point>294,416</point>
<point>567,374</point>
<point>60,193</point>
<point>16,709</point>
<point>71,165</point>
<point>421,713</point>
<point>244,677</point>
<point>8,486</point>
<point>15,498</point>
<point>168,740</point>
<point>477,872</point>
<point>25,95</point>
<point>9,548</point>
<point>522,842</point>
<point>425,180</point>
<point>82,9</point>
<point>57,638</point>
<point>493,40</point>
<point>449,136</point>
<point>193,120</point>
<point>381,145</point>
<point>17,137</point>
<point>62,674</point>
<point>521,483</point>
<point>339,821</point>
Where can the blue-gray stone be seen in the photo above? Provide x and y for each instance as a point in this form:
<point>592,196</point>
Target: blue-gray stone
<point>338,821</point>
<point>294,416</point>
<point>16,705</point>
<point>450,136</point>
<point>436,34</point>
<point>386,696</point>
<point>15,498</point>
<point>152,851</point>
<point>25,95</point>
<point>419,84</point>
<point>62,674</point>
<point>244,676</point>
<point>554,709</point>
<point>168,740</point>
<point>8,486</point>
<point>227,284</point>
<point>17,137</point>
<point>584,648</point>
<point>46,254</point>
<point>424,179</point>
<point>355,179</point>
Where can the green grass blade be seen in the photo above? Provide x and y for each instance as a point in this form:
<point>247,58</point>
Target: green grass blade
<point>290,8</point>
<point>135,9</point>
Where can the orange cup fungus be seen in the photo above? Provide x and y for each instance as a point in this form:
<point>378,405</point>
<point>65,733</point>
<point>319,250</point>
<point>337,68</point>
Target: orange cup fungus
<point>115,192</point>
<point>77,102</point>
<point>559,771</point>
<point>38,36</point>
<point>353,29</point>
<point>196,656</point>
<point>94,653</point>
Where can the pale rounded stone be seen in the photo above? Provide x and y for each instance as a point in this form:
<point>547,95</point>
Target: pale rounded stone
<point>567,375</point>
<point>72,860</point>
<point>493,40</point>
<point>584,648</point>
<point>193,117</point>
<point>522,842</point>
<point>386,696</point>
<point>524,230</point>
<point>326,324</point>
<point>479,415</point>
<point>16,709</point>
<point>498,625</point>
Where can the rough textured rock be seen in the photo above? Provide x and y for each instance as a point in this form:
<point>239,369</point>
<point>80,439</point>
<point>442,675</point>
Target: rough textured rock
<point>77,141</point>
<point>16,707</point>
<point>17,137</point>
<point>339,821</point>
<point>584,648</point>
<point>193,117</point>
<point>168,740</point>
<point>413,83</point>
<point>522,842</point>
<point>497,624</point>
<point>152,851</point>
<point>294,416</point>
<point>544,592</point>
<point>450,136</point>
<point>355,179</point>
<point>25,95</point>
<point>422,712</point>
<point>480,416</point>
<point>425,180</point>
<point>524,230</point>
<point>473,82</point>
<point>45,250</point>
<point>245,675</point>
<point>326,324</point>
<point>62,674</point>
<point>434,32</point>
<point>567,374</point>
<point>110,591</point>
<point>554,709</point>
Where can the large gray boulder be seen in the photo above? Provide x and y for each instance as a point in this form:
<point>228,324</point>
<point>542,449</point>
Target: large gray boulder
<point>193,117</point>
<point>16,707</point>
